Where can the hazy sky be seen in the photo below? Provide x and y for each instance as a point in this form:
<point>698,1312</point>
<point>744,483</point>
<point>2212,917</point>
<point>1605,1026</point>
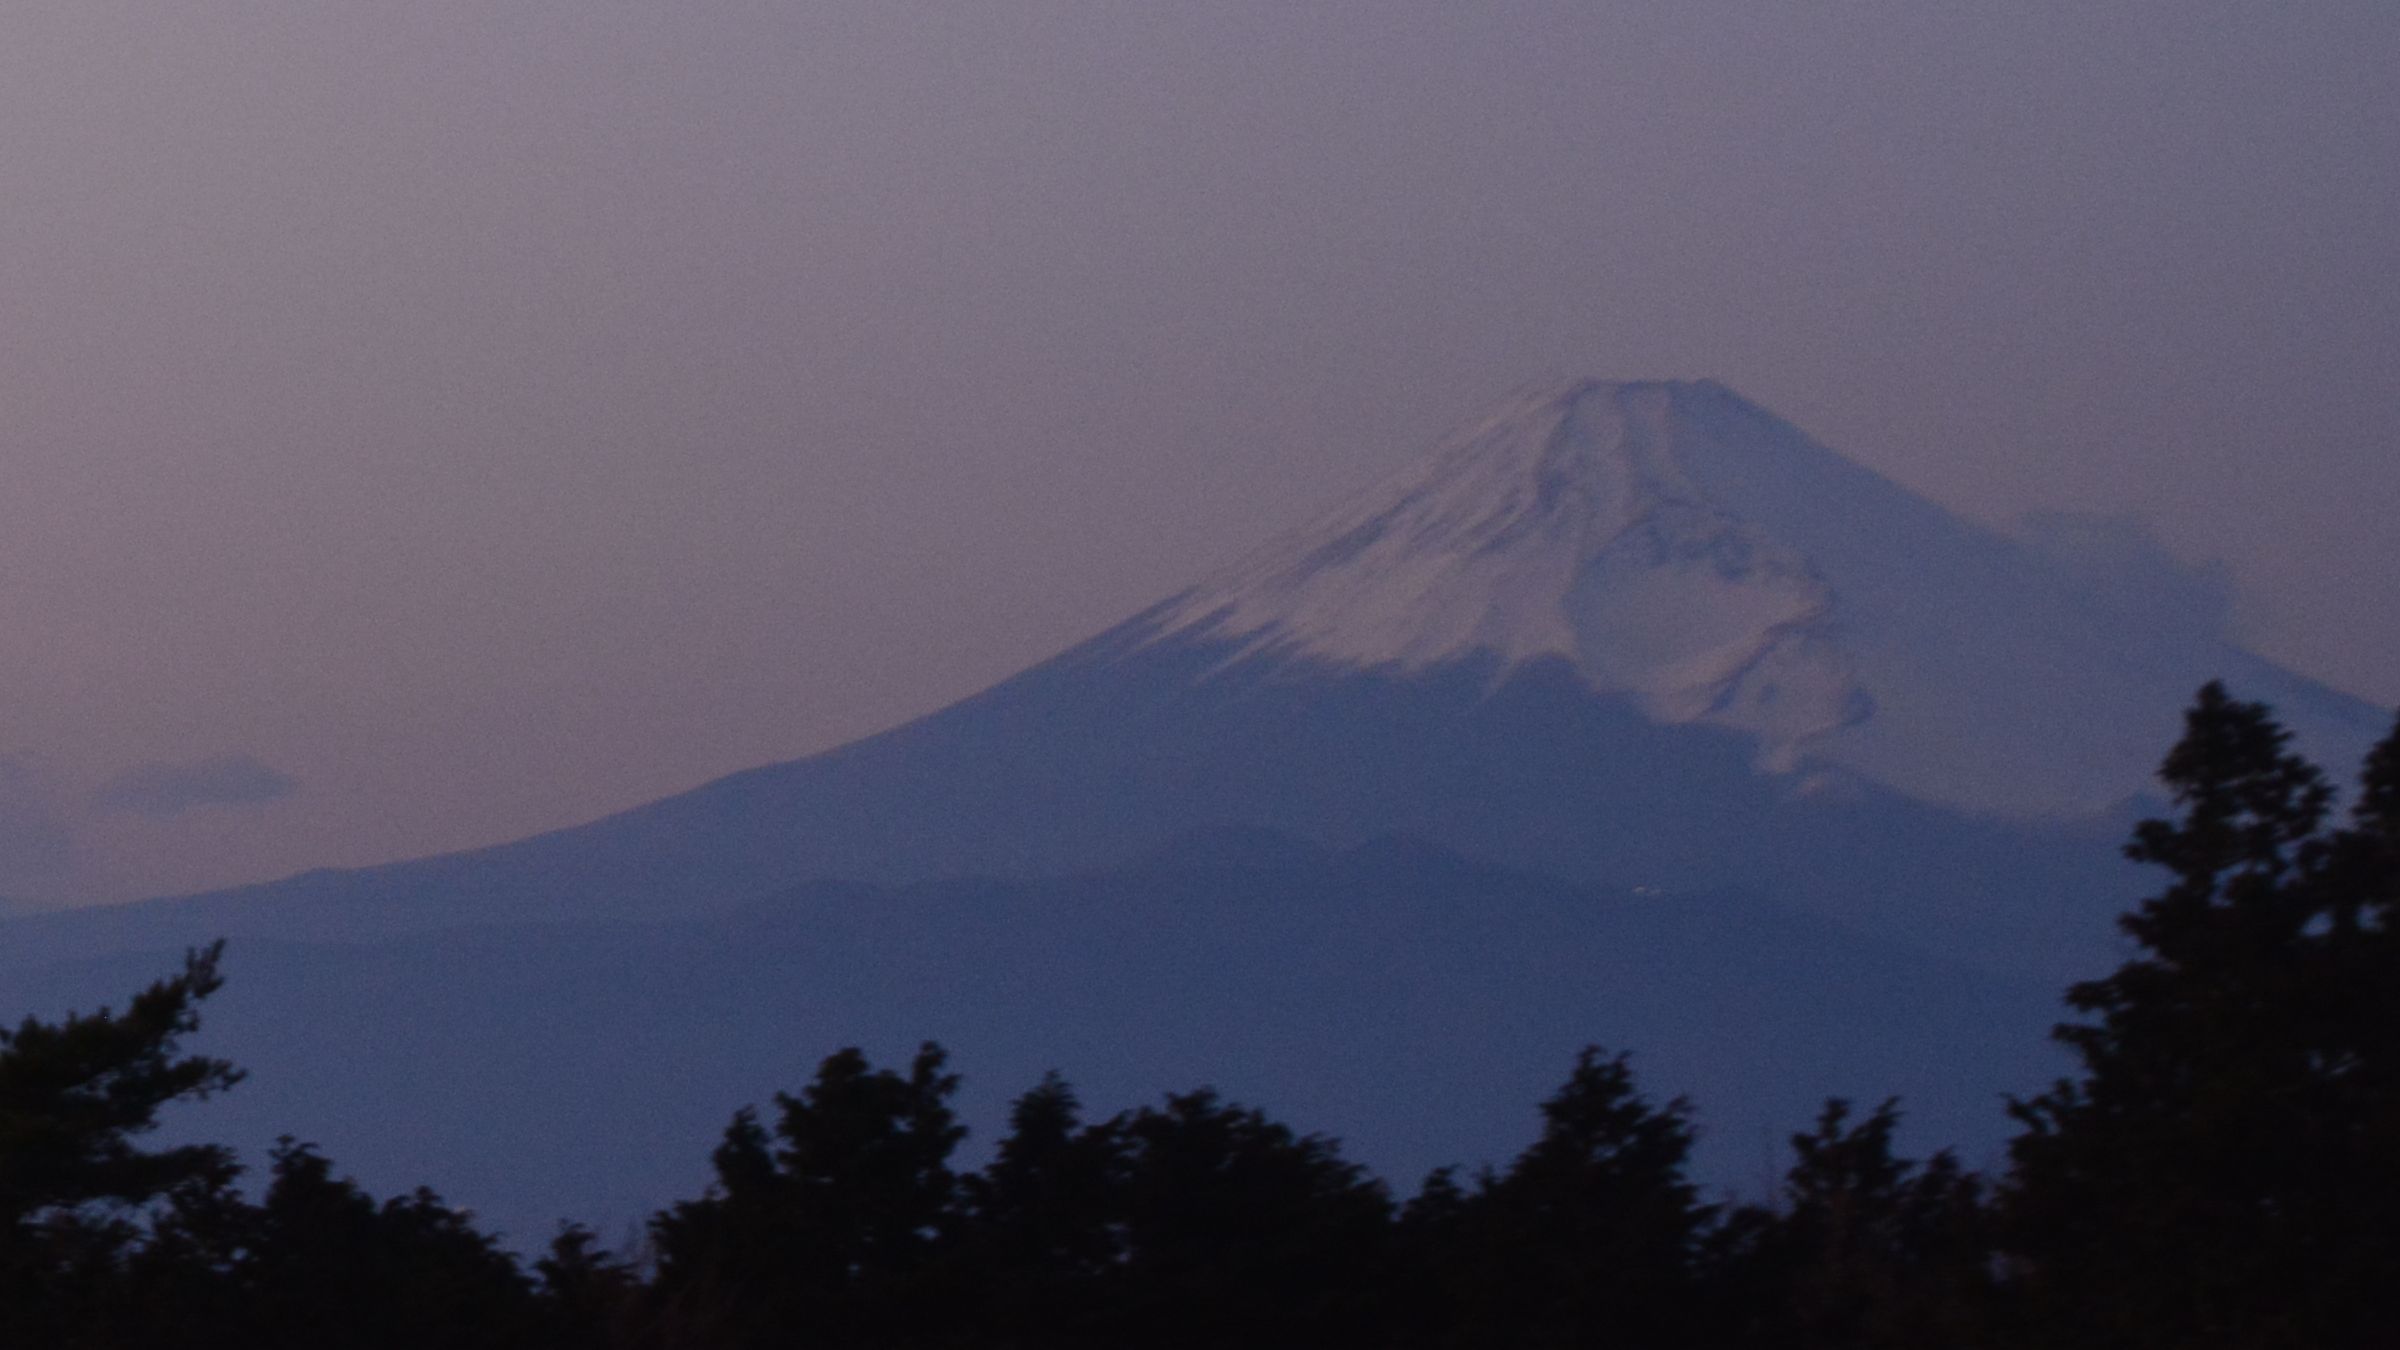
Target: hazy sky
<point>423,424</point>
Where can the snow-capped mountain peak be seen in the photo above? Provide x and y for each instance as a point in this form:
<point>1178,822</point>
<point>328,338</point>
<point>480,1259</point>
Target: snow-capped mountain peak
<point>1565,525</point>
<point>1687,551</point>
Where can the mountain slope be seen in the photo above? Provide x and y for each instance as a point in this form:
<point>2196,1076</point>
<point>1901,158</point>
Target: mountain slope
<point>1640,634</point>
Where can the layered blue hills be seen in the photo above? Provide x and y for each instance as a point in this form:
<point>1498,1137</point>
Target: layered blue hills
<point>1406,1000</point>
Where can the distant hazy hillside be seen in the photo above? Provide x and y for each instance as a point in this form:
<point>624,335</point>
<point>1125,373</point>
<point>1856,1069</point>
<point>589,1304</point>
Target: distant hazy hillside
<point>1413,1003</point>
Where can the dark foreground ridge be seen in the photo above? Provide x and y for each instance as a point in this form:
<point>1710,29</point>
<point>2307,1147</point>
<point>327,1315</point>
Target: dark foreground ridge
<point>2223,1170</point>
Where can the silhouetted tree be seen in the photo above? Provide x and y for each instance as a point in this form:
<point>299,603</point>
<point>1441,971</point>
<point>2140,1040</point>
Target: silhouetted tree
<point>324,1263</point>
<point>1868,1249</point>
<point>2223,1171</point>
<point>1043,1232</point>
<point>833,1223</point>
<point>1592,1236</point>
<point>75,1097</point>
<point>1239,1232</point>
<point>589,1297</point>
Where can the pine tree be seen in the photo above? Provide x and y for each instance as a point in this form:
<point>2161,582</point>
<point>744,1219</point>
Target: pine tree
<point>1868,1249</point>
<point>1044,1230</point>
<point>324,1263</point>
<point>76,1094</point>
<point>588,1295</point>
<point>2221,1173</point>
<point>834,1222</point>
<point>1592,1236</point>
<point>76,1186</point>
<point>1237,1231</point>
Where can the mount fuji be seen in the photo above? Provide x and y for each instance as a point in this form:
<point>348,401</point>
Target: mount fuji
<point>1643,634</point>
<point>1630,714</point>
<point>1684,551</point>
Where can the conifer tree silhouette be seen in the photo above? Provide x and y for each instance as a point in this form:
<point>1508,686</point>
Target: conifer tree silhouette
<point>1593,1234</point>
<point>1043,1229</point>
<point>1240,1232</point>
<point>76,1095</point>
<point>832,1223</point>
<point>2222,1172</point>
<point>1868,1251</point>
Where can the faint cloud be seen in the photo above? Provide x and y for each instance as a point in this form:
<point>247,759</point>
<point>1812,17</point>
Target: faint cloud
<point>165,790</point>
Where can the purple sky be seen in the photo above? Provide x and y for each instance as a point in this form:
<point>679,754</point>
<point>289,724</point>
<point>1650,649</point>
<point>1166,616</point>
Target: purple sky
<point>424,424</point>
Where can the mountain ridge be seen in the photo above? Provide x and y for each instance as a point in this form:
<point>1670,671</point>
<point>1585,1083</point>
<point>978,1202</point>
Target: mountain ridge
<point>1411,1001</point>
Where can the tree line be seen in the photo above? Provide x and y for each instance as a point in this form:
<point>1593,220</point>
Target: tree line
<point>2222,1170</point>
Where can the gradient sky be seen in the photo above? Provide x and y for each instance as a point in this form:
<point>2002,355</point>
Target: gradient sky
<point>424,424</point>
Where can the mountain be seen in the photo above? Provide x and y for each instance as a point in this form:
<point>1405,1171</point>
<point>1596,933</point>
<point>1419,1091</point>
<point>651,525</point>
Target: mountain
<point>1631,715</point>
<point>1684,551</point>
<point>1632,634</point>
